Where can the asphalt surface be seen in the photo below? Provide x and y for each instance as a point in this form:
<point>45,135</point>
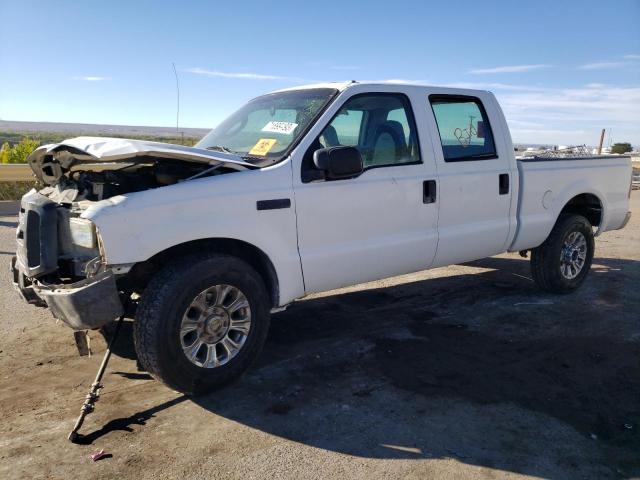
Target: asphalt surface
<point>460,372</point>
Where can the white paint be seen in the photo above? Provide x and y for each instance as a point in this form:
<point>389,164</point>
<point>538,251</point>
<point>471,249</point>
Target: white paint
<point>365,228</point>
<point>607,179</point>
<point>374,226</point>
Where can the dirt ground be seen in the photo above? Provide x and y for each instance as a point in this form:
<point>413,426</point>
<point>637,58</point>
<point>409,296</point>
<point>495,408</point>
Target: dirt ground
<point>460,372</point>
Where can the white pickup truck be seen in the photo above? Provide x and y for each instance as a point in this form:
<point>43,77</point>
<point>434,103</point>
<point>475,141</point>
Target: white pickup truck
<point>301,190</point>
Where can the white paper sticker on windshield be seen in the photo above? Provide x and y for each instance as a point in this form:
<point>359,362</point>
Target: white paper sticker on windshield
<point>286,128</point>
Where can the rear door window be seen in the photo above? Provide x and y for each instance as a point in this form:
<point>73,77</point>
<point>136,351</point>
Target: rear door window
<point>465,133</point>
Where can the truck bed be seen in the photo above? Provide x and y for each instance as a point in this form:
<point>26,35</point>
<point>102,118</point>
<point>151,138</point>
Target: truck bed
<point>547,183</point>
<point>554,158</point>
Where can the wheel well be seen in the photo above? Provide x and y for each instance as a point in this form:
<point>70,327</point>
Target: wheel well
<point>587,205</point>
<point>140,274</point>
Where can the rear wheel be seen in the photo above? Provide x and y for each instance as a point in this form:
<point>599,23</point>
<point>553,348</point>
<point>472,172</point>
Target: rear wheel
<point>563,261</point>
<point>201,322</point>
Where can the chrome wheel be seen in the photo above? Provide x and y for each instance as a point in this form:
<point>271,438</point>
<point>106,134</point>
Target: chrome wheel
<point>573,255</point>
<point>215,326</point>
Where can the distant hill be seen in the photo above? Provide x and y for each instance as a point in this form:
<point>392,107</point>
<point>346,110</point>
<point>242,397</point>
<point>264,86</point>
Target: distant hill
<point>77,129</point>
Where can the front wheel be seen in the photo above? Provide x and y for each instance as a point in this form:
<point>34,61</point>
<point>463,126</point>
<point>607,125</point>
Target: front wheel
<point>201,322</point>
<point>563,261</point>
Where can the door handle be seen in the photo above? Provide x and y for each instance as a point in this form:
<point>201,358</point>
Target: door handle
<point>503,183</point>
<point>429,191</point>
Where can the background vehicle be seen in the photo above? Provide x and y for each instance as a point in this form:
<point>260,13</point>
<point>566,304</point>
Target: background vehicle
<point>301,190</point>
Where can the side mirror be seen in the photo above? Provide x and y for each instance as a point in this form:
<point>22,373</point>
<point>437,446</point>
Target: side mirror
<point>338,162</point>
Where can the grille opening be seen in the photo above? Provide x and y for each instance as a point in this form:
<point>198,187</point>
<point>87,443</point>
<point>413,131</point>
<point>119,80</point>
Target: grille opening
<point>48,170</point>
<point>33,239</point>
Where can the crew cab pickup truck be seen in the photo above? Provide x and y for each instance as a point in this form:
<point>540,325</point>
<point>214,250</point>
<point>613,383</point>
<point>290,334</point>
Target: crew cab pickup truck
<point>301,190</point>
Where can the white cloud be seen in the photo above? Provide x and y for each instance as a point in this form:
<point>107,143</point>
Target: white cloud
<point>508,69</point>
<point>572,115</point>
<point>601,65</point>
<point>494,86</point>
<point>242,75</point>
<point>92,78</point>
<point>566,115</point>
<point>538,114</point>
<point>395,81</point>
<point>402,81</point>
<point>632,57</point>
<point>523,124</point>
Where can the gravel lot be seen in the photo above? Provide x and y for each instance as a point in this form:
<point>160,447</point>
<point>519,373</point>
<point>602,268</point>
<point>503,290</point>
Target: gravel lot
<point>460,372</point>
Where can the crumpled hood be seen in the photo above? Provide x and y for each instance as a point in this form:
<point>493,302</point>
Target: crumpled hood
<point>50,162</point>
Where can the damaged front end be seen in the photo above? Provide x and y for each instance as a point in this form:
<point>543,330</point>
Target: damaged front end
<point>60,262</point>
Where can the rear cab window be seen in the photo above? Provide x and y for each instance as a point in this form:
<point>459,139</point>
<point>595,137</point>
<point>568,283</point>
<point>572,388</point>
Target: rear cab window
<point>463,125</point>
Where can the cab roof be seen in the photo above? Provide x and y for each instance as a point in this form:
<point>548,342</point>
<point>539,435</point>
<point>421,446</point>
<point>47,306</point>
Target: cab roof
<point>341,86</point>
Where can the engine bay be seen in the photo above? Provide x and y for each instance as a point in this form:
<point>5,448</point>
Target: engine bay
<point>108,180</point>
<point>97,168</point>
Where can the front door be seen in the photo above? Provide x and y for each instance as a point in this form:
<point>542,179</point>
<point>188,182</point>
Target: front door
<point>380,223</point>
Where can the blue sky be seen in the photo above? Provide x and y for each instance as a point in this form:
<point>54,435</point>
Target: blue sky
<point>562,69</point>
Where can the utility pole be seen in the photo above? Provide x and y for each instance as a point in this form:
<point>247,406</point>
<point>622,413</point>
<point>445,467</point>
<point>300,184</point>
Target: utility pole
<point>175,72</point>
<point>601,142</point>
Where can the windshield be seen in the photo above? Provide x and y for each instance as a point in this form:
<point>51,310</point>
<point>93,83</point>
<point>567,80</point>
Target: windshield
<point>267,126</point>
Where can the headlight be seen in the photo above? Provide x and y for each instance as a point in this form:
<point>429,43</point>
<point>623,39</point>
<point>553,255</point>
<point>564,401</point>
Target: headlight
<point>83,232</point>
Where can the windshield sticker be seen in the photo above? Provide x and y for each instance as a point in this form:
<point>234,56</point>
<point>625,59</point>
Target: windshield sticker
<point>262,146</point>
<point>286,128</point>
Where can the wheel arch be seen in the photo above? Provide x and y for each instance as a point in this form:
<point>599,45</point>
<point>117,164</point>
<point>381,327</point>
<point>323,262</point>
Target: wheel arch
<point>587,204</point>
<point>535,222</point>
<point>140,274</point>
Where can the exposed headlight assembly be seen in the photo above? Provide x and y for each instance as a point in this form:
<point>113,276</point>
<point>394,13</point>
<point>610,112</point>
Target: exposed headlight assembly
<point>83,232</point>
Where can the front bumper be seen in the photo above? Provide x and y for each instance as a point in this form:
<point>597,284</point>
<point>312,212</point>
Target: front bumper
<point>84,305</point>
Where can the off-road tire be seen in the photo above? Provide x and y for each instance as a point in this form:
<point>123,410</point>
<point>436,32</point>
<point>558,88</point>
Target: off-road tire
<point>163,304</point>
<point>546,259</point>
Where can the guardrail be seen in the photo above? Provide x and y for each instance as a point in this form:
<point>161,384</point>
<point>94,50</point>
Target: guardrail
<point>21,172</point>
<point>16,172</point>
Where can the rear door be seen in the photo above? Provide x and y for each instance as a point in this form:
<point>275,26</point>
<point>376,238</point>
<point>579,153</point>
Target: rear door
<point>380,223</point>
<point>475,181</point>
